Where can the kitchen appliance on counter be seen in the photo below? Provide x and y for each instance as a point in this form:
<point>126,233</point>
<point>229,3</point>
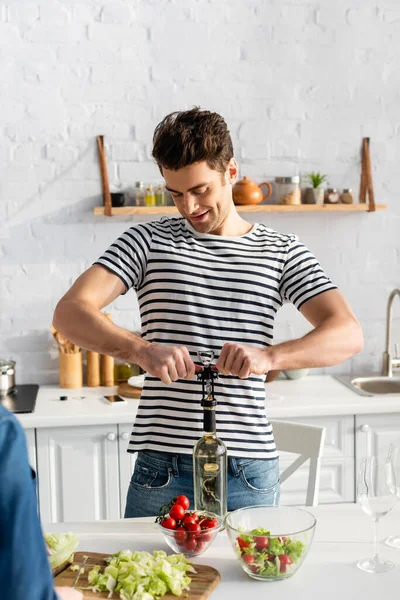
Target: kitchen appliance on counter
<point>16,398</point>
<point>22,399</point>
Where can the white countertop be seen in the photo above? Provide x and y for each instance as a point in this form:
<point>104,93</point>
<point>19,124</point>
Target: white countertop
<point>314,395</point>
<point>343,536</point>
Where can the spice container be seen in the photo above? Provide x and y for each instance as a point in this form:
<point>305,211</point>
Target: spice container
<point>150,197</point>
<point>139,193</point>
<point>287,190</point>
<point>347,196</point>
<point>161,196</point>
<point>332,196</point>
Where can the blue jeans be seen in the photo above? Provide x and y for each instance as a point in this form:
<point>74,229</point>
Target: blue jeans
<point>158,477</point>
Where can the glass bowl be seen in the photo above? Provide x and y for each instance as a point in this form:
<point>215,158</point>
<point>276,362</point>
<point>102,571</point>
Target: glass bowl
<point>191,543</point>
<point>270,542</point>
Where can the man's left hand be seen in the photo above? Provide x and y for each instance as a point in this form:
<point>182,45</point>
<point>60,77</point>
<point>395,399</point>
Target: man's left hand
<point>242,361</point>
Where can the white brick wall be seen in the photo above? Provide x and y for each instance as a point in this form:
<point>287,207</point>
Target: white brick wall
<point>299,82</point>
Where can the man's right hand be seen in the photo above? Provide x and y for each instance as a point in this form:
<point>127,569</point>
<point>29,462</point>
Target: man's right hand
<point>168,363</point>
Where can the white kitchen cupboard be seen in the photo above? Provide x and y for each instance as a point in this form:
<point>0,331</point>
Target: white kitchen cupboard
<point>374,434</point>
<point>78,470</point>
<point>31,446</point>
<point>337,465</point>
<point>126,463</point>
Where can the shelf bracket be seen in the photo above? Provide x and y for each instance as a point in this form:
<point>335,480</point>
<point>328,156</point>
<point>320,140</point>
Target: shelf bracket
<point>366,185</point>
<point>104,176</point>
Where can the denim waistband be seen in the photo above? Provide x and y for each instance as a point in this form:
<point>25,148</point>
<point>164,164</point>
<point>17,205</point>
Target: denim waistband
<point>184,462</point>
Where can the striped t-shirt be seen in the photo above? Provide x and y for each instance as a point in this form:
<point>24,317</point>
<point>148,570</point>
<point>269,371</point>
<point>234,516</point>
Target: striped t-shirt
<point>200,291</point>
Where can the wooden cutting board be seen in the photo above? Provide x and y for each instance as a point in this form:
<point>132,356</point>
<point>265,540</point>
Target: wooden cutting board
<point>203,582</point>
<point>124,389</point>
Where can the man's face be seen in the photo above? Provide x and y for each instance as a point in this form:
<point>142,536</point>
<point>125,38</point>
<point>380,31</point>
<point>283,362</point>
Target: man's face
<point>202,195</point>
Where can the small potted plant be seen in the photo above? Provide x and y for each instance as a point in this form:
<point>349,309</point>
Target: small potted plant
<point>315,194</point>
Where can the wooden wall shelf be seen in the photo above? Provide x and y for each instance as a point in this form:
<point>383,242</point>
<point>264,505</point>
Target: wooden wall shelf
<point>171,210</point>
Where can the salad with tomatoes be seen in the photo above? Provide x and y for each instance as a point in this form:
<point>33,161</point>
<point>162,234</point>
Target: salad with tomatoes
<point>191,532</point>
<point>266,555</point>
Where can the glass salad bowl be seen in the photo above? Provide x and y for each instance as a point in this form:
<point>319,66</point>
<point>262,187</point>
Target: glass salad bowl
<point>189,541</point>
<point>270,542</point>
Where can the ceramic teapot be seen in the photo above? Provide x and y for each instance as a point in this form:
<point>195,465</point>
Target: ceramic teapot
<point>246,191</point>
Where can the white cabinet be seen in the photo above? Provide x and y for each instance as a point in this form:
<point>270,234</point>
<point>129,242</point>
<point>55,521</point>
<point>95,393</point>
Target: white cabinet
<point>126,463</point>
<point>374,434</point>
<point>337,465</point>
<point>31,445</point>
<point>78,473</point>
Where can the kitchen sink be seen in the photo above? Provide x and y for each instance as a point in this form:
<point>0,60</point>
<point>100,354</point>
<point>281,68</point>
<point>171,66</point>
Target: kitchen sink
<point>371,386</point>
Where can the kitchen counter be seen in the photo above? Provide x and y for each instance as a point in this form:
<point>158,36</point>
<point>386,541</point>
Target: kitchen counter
<point>343,536</point>
<point>315,395</point>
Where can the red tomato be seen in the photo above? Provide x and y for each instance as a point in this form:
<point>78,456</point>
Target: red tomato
<point>206,537</point>
<point>262,542</point>
<point>248,558</point>
<point>195,516</point>
<point>200,546</point>
<point>190,544</point>
<point>183,501</point>
<point>177,512</point>
<point>254,568</point>
<point>193,527</point>
<point>242,543</point>
<point>180,535</point>
<point>169,523</point>
<point>188,520</point>
<point>284,560</point>
<point>212,523</point>
<point>271,557</point>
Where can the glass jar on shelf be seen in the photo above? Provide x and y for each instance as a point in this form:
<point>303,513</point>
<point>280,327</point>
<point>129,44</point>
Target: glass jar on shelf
<point>150,197</point>
<point>347,196</point>
<point>332,196</point>
<point>287,190</point>
<point>139,193</point>
<point>161,196</point>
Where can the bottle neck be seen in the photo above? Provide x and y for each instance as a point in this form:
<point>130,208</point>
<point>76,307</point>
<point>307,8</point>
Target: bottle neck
<point>209,427</point>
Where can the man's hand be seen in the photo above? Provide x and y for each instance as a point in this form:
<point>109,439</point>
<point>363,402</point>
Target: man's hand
<point>67,593</point>
<point>242,360</point>
<point>168,363</point>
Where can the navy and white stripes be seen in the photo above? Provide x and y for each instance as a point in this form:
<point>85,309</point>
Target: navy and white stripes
<point>200,291</point>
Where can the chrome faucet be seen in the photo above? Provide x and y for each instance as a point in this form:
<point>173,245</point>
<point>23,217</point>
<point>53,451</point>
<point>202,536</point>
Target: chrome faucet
<point>390,363</point>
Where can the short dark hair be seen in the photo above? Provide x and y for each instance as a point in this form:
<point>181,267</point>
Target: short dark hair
<point>187,137</point>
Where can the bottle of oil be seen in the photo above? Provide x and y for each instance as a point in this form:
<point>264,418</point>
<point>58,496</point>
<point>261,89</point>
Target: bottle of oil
<point>210,479</point>
<point>150,197</point>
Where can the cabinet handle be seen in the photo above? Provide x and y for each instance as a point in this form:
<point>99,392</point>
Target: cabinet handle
<point>111,437</point>
<point>125,436</point>
<point>365,428</point>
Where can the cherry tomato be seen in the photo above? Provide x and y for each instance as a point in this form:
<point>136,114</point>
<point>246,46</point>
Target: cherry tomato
<point>206,537</point>
<point>180,535</point>
<point>190,544</point>
<point>200,546</point>
<point>168,523</point>
<point>177,512</point>
<point>195,516</point>
<point>193,527</point>
<point>271,557</point>
<point>242,543</point>
<point>284,561</point>
<point>182,501</point>
<point>188,520</point>
<point>262,542</point>
<point>248,558</point>
<point>211,523</point>
<point>254,568</point>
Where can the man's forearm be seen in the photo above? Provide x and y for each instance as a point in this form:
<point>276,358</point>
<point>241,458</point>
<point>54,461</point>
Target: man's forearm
<point>89,328</point>
<point>329,344</point>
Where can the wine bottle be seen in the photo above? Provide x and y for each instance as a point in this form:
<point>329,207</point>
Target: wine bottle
<point>210,479</point>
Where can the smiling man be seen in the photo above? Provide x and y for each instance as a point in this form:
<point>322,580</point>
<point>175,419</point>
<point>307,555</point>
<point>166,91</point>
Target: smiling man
<point>208,280</point>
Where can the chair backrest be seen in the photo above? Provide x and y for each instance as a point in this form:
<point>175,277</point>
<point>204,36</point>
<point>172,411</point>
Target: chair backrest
<point>307,441</point>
